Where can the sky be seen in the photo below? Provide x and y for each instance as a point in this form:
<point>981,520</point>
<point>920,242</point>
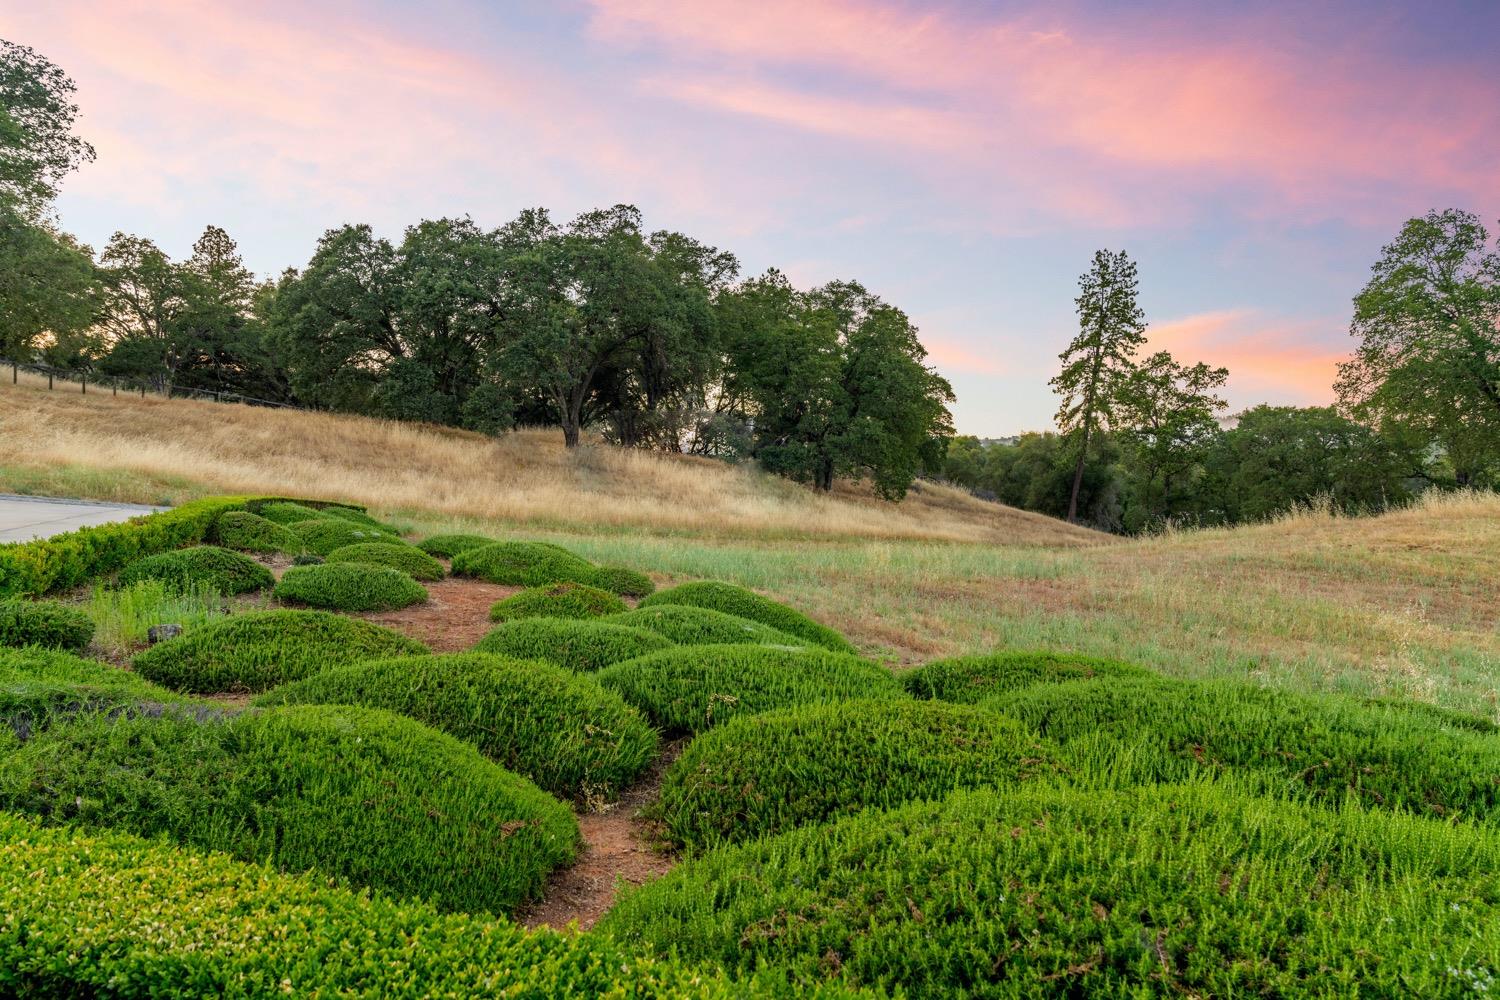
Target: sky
<point>962,159</point>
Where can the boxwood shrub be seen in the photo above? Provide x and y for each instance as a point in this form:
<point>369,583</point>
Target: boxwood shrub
<point>258,650</point>
<point>366,796</point>
<point>619,580</point>
<point>38,686</point>
<point>201,567</point>
<point>693,688</point>
<point>1174,891</point>
<point>557,600</point>
<point>971,679</point>
<point>324,534</point>
<point>560,729</point>
<point>522,564</point>
<point>111,914</point>
<point>247,532</point>
<point>350,586</point>
<point>691,626</point>
<point>43,623</point>
<point>747,604</point>
<point>407,558</point>
<point>768,773</point>
<point>1326,746</point>
<point>578,644</point>
<point>448,546</point>
<point>287,512</point>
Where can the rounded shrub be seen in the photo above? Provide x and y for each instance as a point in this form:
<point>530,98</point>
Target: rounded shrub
<point>619,580</point>
<point>43,623</point>
<point>350,586</point>
<point>560,729</point>
<point>308,559</point>
<point>691,626</point>
<point>523,564</point>
<point>692,688</point>
<point>201,567</point>
<point>256,651</point>
<point>246,532</point>
<point>557,600</point>
<point>728,598</point>
<point>1327,746</point>
<point>1035,893</point>
<point>38,686</point>
<point>357,517</point>
<point>407,558</point>
<point>578,644</point>
<point>324,534</point>
<point>287,513</point>
<point>768,773</point>
<point>448,546</point>
<point>366,796</point>
<point>971,679</point>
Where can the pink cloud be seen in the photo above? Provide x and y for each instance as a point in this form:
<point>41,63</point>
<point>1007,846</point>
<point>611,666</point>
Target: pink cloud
<point>1268,361</point>
<point>955,357</point>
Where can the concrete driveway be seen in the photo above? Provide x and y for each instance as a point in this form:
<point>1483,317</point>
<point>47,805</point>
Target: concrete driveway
<point>25,518</point>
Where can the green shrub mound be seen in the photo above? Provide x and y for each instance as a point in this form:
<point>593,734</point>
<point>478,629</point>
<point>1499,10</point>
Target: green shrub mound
<point>560,729</point>
<point>43,623</point>
<point>578,644</point>
<point>324,534</point>
<point>366,796</point>
<point>350,586</point>
<point>619,580</point>
<point>285,512</point>
<point>557,600</point>
<point>201,567</point>
<point>1191,892</point>
<point>358,517</point>
<point>407,558</point>
<point>769,773</point>
<point>448,546</point>
<point>693,688</point>
<point>523,564</point>
<point>256,651</point>
<point>246,532</point>
<point>1326,746</point>
<point>39,686</point>
<point>969,680</point>
<point>744,603</point>
<point>691,626</point>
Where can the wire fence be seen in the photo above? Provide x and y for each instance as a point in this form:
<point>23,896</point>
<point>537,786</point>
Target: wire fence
<point>131,386</point>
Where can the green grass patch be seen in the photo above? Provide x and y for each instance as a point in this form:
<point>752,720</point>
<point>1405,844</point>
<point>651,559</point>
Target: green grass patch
<point>200,566</point>
<point>619,580</point>
<point>256,651</point>
<point>407,558</point>
<point>971,679</point>
<point>728,598</point>
<point>449,545</point>
<point>522,564</point>
<point>693,626</point>
<point>43,623</point>
<point>324,534</point>
<point>578,644</point>
<point>350,586</point>
<point>557,600</point>
<point>246,532</point>
<point>123,616</point>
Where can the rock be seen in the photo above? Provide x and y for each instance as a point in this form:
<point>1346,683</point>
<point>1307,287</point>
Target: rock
<point>161,633</point>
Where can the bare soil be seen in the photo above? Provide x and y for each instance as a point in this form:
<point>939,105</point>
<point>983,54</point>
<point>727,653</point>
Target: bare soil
<point>455,616</point>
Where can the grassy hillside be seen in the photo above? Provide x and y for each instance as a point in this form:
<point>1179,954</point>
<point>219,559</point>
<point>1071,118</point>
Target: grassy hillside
<point>1405,603</point>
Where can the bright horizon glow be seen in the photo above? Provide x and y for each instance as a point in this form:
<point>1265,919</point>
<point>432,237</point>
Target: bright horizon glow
<point>963,160</point>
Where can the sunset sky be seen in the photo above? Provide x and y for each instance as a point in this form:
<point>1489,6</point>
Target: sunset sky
<point>961,159</point>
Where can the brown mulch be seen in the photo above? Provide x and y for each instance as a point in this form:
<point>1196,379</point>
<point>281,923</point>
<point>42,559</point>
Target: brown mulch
<point>452,620</point>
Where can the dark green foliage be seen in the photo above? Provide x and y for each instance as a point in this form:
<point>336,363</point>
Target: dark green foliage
<point>557,600</point>
<point>448,546</point>
<point>576,643</point>
<point>324,534</point>
<point>1145,729</point>
<point>693,626</point>
<point>357,517</point>
<point>692,688</point>
<point>201,566</point>
<point>43,623</point>
<point>308,559</point>
<point>1192,892</point>
<point>728,598</point>
<point>971,679</point>
<point>560,729</point>
<point>619,580</point>
<point>768,773</point>
<point>38,686</point>
<point>350,586</point>
<point>364,795</point>
<point>285,512</point>
<point>407,558</point>
<point>255,651</point>
<point>247,532</point>
<point>523,564</point>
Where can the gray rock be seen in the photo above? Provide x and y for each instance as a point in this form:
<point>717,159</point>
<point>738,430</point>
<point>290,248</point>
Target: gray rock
<point>161,633</point>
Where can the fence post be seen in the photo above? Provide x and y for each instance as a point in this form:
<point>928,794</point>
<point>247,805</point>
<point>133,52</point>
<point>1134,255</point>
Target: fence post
<point>85,383</point>
<point>143,390</point>
<point>49,381</point>
<point>14,372</point>
<point>114,387</point>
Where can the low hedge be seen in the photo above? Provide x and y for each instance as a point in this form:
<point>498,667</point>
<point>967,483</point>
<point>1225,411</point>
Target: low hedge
<point>743,603</point>
<point>557,600</point>
<point>692,626</point>
<point>324,534</point>
<point>1192,892</point>
<point>448,546</point>
<point>258,650</point>
<point>357,517</point>
<point>578,644</point>
<point>247,532</point>
<point>765,774</point>
<point>363,795</point>
<point>107,913</point>
<point>286,512</point>
<point>523,564</point>
<point>693,688</point>
<point>350,586</point>
<point>43,623</point>
<point>971,679</point>
<point>619,580</point>
<point>1326,746</point>
<point>407,558</point>
<point>560,729</point>
<point>202,566</point>
<point>38,686</point>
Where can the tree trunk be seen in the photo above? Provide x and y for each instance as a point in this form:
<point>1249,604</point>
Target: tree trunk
<point>1083,454</point>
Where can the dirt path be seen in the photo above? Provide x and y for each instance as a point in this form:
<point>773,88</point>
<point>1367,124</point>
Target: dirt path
<point>453,619</point>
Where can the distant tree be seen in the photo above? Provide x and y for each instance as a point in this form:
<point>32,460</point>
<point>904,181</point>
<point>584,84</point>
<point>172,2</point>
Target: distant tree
<point>1096,363</point>
<point>37,145</point>
<point>142,303</point>
<point>1428,326</point>
<point>1167,415</point>
<point>49,290</point>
